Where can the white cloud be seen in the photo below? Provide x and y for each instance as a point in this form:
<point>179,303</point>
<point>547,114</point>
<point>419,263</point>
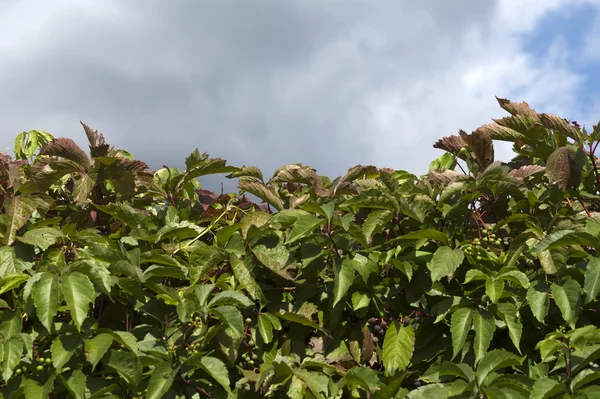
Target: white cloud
<point>326,83</point>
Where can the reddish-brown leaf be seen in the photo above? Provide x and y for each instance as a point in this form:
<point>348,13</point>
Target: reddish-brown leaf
<point>65,148</point>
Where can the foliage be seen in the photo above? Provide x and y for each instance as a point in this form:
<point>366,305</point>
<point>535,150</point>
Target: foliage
<point>119,282</point>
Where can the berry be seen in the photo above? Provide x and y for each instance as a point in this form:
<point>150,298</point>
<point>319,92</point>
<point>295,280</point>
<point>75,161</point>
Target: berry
<point>417,319</point>
<point>248,320</point>
<point>254,356</point>
<point>383,324</point>
<point>377,328</point>
<point>39,368</point>
<point>251,343</point>
<point>406,322</point>
<point>372,320</point>
<point>48,361</point>
<point>19,371</point>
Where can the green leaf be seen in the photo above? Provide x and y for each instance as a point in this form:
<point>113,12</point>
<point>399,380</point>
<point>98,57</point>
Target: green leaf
<point>360,300</point>
<point>232,317</point>
<point>9,283</point>
<point>398,347</point>
<point>125,213</point>
<point>17,211</point>
<point>562,238</point>
<point>484,326</point>
<point>273,254</point>
<point>11,322</point>
<point>461,370</point>
<point>585,377</point>
<point>45,297</point>
<point>508,313</point>
<point>375,222</point>
<point>76,384</point>
<point>43,237</point>
<point>567,297</point>
<point>230,298</point>
<point>343,278</point>
<point>124,338</point>
<point>13,349</point>
<point>515,276</point>
<point>180,231</point>
<point>79,292</point>
<point>126,364</point>
<point>7,262</point>
<point>243,275</point>
<point>363,377</point>
<point>537,298</point>
<point>63,348</point>
<point>444,162</point>
<point>265,328</point>
<point>495,360</point>
<point>546,387</point>
<point>33,389</point>
<point>494,289</point>
<point>299,319</point>
<point>444,262</point>
<point>97,347</point>
<point>217,370</point>
<point>303,226</point>
<point>462,320</point>
<point>553,261</point>
<point>161,379</point>
<point>592,280</point>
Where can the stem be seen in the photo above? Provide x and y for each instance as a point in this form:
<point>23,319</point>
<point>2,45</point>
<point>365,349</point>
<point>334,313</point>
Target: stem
<point>569,366</point>
<point>593,159</point>
<point>201,390</point>
<point>584,207</point>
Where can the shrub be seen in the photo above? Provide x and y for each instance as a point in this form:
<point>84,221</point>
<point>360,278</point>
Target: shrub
<point>119,282</point>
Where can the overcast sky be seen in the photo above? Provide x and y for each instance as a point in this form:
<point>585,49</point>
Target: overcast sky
<point>329,83</point>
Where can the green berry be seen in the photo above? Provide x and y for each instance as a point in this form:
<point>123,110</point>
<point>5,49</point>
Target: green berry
<point>485,239</point>
<point>251,343</point>
<point>48,361</point>
<point>251,362</point>
<point>248,320</point>
<point>493,236</point>
<point>39,368</point>
<point>479,257</point>
<point>19,371</point>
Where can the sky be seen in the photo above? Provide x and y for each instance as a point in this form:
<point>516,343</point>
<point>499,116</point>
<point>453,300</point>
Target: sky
<point>326,83</point>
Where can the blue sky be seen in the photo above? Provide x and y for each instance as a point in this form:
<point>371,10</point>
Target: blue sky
<point>573,27</point>
<point>329,83</point>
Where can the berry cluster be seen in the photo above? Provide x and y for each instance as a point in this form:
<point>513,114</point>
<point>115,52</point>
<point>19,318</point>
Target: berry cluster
<point>192,348</point>
<point>196,322</point>
<point>43,363</point>
<point>477,248</point>
<point>249,357</point>
<point>379,325</point>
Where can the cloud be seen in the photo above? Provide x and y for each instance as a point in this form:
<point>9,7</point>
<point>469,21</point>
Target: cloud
<point>327,83</point>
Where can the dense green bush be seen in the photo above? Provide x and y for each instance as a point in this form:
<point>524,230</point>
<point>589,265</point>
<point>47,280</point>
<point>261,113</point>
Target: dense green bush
<point>118,282</point>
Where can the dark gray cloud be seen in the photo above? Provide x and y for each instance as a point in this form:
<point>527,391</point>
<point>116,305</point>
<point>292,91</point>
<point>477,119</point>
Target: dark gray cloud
<point>325,82</point>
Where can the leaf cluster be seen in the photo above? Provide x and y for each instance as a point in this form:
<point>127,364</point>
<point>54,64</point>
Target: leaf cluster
<point>479,279</point>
